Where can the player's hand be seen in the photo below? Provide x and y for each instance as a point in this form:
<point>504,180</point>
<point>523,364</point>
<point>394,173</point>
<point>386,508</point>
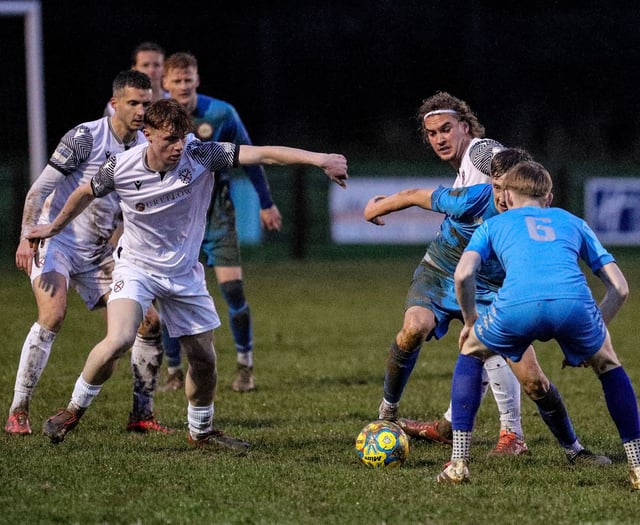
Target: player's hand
<point>26,255</point>
<point>39,232</point>
<point>36,236</point>
<point>371,213</point>
<point>271,219</point>
<point>464,335</point>
<point>335,168</point>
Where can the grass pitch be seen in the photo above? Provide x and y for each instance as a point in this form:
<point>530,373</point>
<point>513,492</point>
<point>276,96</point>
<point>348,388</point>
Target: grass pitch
<point>322,329</point>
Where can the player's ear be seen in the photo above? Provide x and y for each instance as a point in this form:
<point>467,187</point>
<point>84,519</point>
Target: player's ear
<point>549,200</point>
<point>197,84</point>
<point>508,199</point>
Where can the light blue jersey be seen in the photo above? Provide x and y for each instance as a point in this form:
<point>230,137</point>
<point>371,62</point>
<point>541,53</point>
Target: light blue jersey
<point>545,294</point>
<point>539,248</point>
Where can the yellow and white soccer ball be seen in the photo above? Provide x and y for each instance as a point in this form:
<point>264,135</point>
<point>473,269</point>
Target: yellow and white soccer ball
<point>382,444</point>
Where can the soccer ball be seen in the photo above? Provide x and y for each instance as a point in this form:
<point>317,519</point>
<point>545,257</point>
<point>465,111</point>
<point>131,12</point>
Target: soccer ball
<point>382,444</point>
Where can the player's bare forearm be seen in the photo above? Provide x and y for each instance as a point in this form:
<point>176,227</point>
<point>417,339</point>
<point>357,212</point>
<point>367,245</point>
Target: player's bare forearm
<point>44,185</point>
<point>75,205</point>
<point>32,210</point>
<point>465,281</point>
<point>381,205</point>
<point>334,165</point>
<point>617,290</point>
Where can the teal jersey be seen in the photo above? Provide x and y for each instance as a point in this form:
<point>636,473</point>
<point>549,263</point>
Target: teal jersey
<point>218,121</point>
<point>465,210</point>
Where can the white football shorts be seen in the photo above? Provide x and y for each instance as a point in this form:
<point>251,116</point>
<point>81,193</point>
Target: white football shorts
<point>90,278</point>
<point>184,302</point>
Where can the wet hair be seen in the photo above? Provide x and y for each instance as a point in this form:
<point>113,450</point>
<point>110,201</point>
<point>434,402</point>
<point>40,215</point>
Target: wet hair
<point>145,46</point>
<point>528,178</point>
<point>130,78</point>
<point>507,158</point>
<point>168,114</point>
<point>180,60</point>
<point>444,101</point>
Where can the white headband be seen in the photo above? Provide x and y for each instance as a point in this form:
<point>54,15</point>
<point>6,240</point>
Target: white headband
<point>439,112</point>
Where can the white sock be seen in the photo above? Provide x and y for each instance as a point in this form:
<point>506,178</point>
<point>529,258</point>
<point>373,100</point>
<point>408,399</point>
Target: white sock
<point>146,358</point>
<point>461,445</point>
<point>33,359</point>
<point>632,448</point>
<point>506,391</point>
<point>200,420</point>
<point>245,358</point>
<point>83,394</point>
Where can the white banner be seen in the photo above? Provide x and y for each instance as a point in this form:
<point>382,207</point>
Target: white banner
<point>612,209</point>
<point>411,226</point>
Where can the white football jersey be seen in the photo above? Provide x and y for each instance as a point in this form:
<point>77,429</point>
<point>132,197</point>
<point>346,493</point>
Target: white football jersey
<point>164,212</point>
<point>78,156</point>
<point>475,167</point>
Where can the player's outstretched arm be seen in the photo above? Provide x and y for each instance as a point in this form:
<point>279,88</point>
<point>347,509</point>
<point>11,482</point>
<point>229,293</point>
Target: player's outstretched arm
<point>333,164</point>
<point>617,290</point>
<point>75,205</point>
<point>380,205</point>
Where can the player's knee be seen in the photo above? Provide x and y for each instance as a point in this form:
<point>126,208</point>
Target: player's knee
<point>150,327</point>
<point>414,331</point>
<point>604,362</point>
<point>233,293</point>
<point>534,387</point>
<point>120,342</point>
<point>200,351</point>
<point>52,320</point>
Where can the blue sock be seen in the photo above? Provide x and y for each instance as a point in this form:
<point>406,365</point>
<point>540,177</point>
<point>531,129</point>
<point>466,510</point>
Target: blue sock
<point>171,348</point>
<point>466,392</point>
<point>554,413</point>
<point>239,314</point>
<point>399,367</point>
<point>621,402</point>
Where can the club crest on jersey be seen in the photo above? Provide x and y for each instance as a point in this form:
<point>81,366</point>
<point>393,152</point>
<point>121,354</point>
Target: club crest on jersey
<point>204,130</point>
<point>185,175</point>
<point>140,206</point>
<point>118,286</point>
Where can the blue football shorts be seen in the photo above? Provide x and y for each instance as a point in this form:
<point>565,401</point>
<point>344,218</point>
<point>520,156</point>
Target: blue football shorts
<point>434,289</point>
<point>577,326</point>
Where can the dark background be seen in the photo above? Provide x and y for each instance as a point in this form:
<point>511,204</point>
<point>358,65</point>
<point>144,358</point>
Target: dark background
<point>555,78</point>
<point>558,78</point>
